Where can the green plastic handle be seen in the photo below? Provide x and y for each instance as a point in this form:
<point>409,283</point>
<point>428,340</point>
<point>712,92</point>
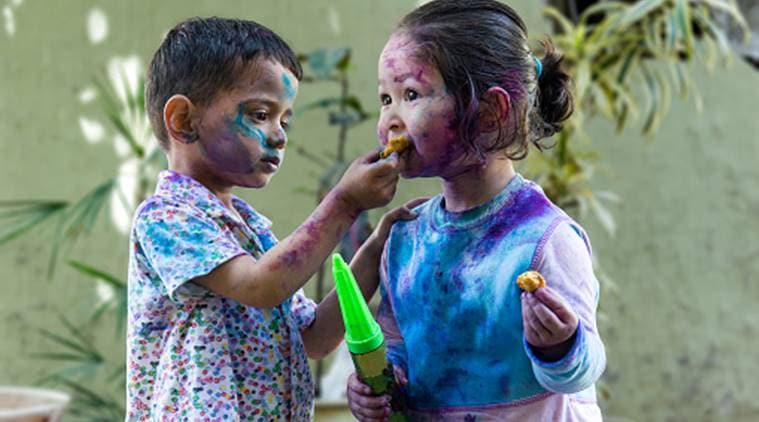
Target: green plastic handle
<point>362,333</point>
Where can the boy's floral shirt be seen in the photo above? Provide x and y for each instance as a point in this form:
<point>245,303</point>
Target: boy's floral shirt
<point>193,355</point>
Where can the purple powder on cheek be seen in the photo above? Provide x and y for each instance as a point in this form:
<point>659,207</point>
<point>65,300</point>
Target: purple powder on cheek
<point>227,152</point>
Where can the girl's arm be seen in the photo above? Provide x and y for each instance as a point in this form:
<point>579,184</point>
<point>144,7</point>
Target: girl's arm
<point>568,270</point>
<point>327,330</point>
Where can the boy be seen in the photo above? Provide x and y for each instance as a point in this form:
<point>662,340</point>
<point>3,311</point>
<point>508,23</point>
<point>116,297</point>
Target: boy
<point>219,328</point>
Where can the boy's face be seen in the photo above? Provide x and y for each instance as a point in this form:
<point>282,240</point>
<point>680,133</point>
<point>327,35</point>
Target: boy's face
<point>416,103</point>
<point>242,132</point>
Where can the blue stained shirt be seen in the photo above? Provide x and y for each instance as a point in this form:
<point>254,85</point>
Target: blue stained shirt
<point>451,309</point>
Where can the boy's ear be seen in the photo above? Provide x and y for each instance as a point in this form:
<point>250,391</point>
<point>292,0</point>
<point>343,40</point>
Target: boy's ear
<point>497,106</point>
<point>177,115</point>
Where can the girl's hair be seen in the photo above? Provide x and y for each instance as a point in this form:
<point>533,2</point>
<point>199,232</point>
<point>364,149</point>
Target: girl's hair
<point>478,44</point>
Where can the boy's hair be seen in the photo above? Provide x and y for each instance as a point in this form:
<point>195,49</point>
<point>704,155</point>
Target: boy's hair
<point>202,57</point>
<point>478,44</point>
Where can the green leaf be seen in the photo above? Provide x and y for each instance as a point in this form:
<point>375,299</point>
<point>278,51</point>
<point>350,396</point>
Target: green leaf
<point>20,217</point>
<point>683,20</point>
<point>323,61</point>
<point>82,216</point>
<point>565,24</point>
<point>637,12</point>
<point>98,274</point>
<point>604,8</point>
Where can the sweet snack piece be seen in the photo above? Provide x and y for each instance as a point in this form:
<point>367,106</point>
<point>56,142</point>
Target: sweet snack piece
<point>395,145</point>
<point>530,281</point>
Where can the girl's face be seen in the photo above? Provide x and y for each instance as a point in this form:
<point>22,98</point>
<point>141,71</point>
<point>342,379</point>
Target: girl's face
<point>416,103</point>
<point>242,132</point>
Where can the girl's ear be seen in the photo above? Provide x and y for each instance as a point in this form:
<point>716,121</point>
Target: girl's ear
<point>496,105</point>
<point>177,116</point>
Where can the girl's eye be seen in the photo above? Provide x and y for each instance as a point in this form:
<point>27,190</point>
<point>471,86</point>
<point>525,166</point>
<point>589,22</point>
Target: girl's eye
<point>410,95</point>
<point>385,99</point>
<point>285,125</point>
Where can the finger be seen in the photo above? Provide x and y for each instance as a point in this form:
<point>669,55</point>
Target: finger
<point>400,375</point>
<point>388,166</point>
<point>416,202</point>
<point>369,157</point>
<point>357,386</point>
<point>533,321</point>
<point>545,315</point>
<point>369,414</point>
<point>365,415</point>
<point>553,300</point>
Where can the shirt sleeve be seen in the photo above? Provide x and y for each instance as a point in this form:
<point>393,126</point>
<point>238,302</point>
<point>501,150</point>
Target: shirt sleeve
<point>567,267</point>
<point>396,348</point>
<point>182,243</point>
<point>303,310</point>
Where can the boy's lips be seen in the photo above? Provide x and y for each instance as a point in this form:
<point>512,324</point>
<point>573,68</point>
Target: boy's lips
<point>271,164</point>
<point>273,160</point>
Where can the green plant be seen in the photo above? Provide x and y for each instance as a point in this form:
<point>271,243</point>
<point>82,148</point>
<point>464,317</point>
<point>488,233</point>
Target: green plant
<point>344,111</point>
<point>614,51</point>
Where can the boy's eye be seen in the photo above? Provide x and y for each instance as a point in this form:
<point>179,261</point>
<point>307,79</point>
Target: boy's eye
<point>385,99</point>
<point>285,125</point>
<point>259,115</point>
<point>410,95</point>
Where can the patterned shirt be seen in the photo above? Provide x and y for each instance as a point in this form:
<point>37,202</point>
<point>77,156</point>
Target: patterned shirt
<point>193,355</point>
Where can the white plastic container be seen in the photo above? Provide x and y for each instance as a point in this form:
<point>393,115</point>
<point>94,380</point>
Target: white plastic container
<point>25,404</point>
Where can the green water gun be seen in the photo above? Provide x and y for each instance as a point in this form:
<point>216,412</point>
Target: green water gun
<point>365,340</point>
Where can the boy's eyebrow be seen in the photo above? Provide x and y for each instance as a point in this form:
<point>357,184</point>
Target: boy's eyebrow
<point>268,102</point>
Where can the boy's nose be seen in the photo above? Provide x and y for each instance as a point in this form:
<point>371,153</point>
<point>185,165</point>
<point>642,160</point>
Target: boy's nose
<point>277,141</point>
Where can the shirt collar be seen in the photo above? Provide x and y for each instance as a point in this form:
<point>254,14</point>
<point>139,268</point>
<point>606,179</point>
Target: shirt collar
<point>185,189</point>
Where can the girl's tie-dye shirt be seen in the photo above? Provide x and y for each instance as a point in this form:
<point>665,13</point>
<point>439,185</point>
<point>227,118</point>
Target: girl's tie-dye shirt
<point>193,355</point>
<point>451,310</point>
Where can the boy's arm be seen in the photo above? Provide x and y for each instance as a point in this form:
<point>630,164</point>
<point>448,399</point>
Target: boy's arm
<point>567,267</point>
<point>268,281</point>
<point>327,330</point>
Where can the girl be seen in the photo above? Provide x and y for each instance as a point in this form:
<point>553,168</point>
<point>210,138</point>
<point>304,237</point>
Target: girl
<point>458,80</point>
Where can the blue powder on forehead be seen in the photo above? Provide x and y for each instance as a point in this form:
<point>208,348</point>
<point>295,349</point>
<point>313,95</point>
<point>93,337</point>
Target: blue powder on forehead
<point>289,88</point>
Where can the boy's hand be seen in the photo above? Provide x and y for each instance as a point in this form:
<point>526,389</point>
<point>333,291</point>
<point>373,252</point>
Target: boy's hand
<point>369,182</point>
<point>366,407</point>
<point>549,323</point>
<point>404,212</point>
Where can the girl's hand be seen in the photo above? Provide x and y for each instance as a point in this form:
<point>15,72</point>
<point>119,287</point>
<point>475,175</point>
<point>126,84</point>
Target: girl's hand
<point>549,323</point>
<point>367,407</point>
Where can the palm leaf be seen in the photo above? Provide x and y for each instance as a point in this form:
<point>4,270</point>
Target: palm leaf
<point>20,217</point>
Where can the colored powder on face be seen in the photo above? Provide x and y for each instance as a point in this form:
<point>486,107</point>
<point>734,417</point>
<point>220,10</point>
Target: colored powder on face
<point>245,128</point>
<point>228,153</point>
<point>289,88</point>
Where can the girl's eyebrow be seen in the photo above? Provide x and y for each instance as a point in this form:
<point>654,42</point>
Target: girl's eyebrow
<point>417,76</point>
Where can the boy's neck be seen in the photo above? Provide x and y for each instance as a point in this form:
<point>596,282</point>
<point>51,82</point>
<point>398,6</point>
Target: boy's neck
<point>478,186</point>
<point>221,190</point>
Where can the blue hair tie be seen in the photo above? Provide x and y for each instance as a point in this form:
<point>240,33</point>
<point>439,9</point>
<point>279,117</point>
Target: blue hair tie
<point>538,67</point>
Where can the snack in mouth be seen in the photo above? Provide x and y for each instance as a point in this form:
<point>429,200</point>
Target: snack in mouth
<point>530,281</point>
<point>396,144</point>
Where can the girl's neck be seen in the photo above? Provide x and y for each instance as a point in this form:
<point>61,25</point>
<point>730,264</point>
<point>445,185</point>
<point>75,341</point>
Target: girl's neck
<point>477,186</point>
